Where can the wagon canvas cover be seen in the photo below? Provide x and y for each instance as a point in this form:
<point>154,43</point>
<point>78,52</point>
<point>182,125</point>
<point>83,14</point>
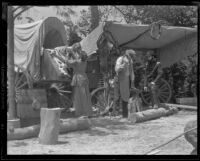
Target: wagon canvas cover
<point>29,40</point>
<point>173,44</point>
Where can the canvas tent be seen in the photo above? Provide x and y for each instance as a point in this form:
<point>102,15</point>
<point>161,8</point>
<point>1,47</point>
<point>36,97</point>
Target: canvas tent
<point>29,40</point>
<point>174,43</point>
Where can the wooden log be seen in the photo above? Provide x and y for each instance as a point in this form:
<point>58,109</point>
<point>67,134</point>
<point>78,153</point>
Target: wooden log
<point>66,125</point>
<point>26,122</point>
<point>73,124</point>
<point>50,125</point>
<point>15,123</point>
<point>23,133</point>
<point>150,114</point>
<point>186,107</point>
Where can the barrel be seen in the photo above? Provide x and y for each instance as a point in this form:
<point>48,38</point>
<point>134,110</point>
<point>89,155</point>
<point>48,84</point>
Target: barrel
<point>25,108</point>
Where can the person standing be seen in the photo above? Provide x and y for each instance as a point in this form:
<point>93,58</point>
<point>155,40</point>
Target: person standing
<point>124,80</point>
<point>153,72</point>
<point>80,83</point>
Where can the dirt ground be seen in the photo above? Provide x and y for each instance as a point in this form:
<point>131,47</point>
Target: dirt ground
<point>114,136</point>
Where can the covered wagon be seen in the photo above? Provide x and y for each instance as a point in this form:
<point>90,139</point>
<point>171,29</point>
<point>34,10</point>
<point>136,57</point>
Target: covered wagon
<point>35,69</point>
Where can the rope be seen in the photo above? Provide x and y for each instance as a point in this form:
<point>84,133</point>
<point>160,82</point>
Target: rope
<point>169,141</point>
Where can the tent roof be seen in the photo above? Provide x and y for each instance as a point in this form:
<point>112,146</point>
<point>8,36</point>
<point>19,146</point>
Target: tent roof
<point>123,33</point>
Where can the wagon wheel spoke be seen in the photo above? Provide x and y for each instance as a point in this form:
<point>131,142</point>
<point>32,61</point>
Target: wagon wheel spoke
<point>146,96</point>
<point>161,99</point>
<point>19,80</point>
<point>98,106</point>
<point>146,93</point>
<point>17,76</point>
<point>164,87</point>
<point>22,85</point>
<point>101,100</point>
<point>110,97</point>
<point>164,93</point>
<point>148,99</point>
<point>106,97</point>
<point>67,100</point>
<point>164,96</point>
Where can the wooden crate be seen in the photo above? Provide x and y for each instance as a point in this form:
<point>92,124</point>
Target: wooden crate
<point>24,104</point>
<point>187,101</point>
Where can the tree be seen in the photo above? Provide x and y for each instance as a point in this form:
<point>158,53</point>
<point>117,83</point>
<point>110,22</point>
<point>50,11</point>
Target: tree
<point>94,17</point>
<point>89,20</point>
<point>65,13</point>
<point>176,15</point>
<point>13,13</point>
<point>10,64</point>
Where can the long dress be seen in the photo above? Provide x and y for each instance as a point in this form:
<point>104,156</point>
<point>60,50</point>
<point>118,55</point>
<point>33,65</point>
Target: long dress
<point>80,83</point>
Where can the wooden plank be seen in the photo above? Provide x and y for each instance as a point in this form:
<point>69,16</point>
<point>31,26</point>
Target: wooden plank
<point>26,96</point>
<point>186,107</point>
<point>25,105</point>
<point>29,100</point>
<point>27,111</point>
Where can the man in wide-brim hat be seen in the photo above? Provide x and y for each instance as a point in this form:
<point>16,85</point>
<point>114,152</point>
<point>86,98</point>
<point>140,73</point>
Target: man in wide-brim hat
<point>124,79</point>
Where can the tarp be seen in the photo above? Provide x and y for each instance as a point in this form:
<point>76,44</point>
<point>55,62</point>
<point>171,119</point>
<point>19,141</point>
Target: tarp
<point>170,36</point>
<point>52,68</point>
<point>30,38</point>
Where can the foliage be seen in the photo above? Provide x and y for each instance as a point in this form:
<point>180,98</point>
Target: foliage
<point>176,15</point>
<point>182,77</point>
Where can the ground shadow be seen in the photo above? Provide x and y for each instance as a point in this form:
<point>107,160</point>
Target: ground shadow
<point>18,144</point>
<point>62,142</point>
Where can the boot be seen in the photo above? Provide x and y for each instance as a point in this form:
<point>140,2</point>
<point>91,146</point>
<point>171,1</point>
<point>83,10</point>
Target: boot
<point>125,109</point>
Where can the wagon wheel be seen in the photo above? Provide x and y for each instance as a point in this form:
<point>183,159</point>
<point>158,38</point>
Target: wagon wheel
<point>64,100</point>
<point>101,99</point>
<point>20,82</point>
<point>163,91</point>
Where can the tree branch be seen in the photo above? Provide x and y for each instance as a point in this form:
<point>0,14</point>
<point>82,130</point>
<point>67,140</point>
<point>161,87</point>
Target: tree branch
<point>124,15</point>
<point>23,10</point>
<point>15,9</point>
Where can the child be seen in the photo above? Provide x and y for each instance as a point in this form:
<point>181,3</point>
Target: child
<point>134,102</point>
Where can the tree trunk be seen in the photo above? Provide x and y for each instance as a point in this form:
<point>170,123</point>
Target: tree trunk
<point>94,17</point>
<point>10,63</point>
<point>50,125</point>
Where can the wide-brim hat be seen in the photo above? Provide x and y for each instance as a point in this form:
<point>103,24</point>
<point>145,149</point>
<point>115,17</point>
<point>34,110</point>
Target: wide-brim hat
<point>130,52</point>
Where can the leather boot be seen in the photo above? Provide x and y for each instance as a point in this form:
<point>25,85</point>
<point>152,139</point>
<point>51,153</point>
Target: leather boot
<point>125,109</point>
